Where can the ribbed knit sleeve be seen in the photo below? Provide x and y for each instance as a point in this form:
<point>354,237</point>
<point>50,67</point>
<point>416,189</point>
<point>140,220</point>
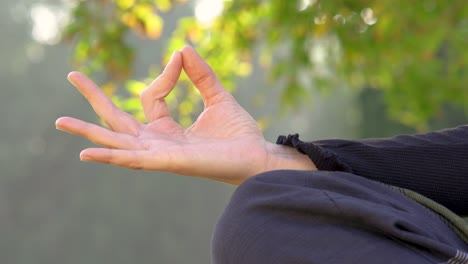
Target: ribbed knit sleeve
<point>433,164</point>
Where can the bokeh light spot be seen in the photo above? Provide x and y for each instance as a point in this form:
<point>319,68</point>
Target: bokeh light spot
<point>367,14</point>
<point>206,11</point>
<point>47,22</point>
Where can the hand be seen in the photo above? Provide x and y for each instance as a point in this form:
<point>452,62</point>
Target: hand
<point>224,143</point>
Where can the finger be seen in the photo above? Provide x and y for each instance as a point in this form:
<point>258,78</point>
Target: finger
<point>203,77</point>
<point>159,161</point>
<point>97,134</point>
<point>132,159</point>
<point>138,159</point>
<point>116,119</point>
<point>152,98</point>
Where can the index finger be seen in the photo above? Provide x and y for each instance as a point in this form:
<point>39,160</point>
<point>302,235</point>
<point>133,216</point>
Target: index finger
<point>115,118</point>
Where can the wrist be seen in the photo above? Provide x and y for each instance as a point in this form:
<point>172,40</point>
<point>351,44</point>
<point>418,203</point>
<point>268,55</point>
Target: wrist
<point>282,157</point>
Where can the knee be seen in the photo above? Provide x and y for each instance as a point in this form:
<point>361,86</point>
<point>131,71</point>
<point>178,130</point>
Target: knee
<point>304,217</point>
<point>245,232</point>
<point>232,238</point>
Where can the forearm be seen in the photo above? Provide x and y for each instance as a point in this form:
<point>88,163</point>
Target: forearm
<point>433,164</point>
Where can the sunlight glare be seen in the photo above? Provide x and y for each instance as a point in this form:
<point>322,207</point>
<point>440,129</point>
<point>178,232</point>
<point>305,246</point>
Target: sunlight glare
<point>47,21</point>
<point>206,11</point>
<point>304,4</point>
<point>367,14</point>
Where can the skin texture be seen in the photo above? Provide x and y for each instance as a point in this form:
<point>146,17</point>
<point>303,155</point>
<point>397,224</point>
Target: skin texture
<point>224,144</point>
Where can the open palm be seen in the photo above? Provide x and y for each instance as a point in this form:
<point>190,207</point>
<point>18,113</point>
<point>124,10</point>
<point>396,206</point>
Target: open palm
<point>223,144</point>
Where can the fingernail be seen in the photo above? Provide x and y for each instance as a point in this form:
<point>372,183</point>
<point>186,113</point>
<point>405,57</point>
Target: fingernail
<point>71,75</point>
<point>83,156</point>
<point>57,123</point>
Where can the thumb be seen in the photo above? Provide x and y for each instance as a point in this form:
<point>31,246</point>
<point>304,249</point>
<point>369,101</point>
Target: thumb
<point>203,77</point>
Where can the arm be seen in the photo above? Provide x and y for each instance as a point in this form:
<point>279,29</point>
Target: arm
<point>223,144</point>
<point>433,164</point>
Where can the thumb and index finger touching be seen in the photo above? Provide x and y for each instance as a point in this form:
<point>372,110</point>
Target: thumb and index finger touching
<point>199,72</point>
<point>154,105</point>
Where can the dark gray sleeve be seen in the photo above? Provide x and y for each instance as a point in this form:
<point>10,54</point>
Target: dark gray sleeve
<point>433,164</point>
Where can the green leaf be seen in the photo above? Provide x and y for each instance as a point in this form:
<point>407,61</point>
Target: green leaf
<point>135,87</point>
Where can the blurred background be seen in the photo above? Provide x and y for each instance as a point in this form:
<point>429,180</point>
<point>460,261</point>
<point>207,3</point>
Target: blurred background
<point>322,69</point>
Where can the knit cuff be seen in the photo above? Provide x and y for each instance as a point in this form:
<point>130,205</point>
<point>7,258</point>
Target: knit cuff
<point>323,159</point>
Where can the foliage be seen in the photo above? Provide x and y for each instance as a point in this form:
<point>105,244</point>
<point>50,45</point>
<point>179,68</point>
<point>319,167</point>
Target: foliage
<point>413,51</point>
